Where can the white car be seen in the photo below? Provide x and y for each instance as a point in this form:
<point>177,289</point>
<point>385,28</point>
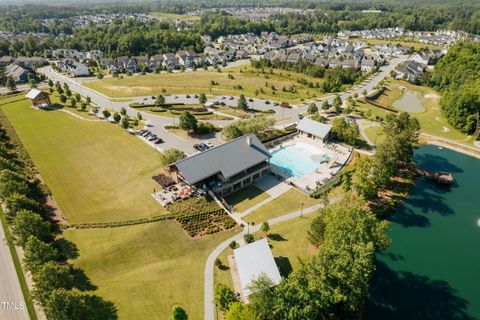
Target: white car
<point>209,144</point>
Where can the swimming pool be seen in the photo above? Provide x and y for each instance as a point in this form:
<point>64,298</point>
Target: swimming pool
<point>299,159</point>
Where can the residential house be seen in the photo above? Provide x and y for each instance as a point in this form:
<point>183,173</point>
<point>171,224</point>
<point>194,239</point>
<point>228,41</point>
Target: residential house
<point>18,73</point>
<point>73,68</point>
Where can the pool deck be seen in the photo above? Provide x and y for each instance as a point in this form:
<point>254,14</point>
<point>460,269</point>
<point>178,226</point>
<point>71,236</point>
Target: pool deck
<point>327,170</point>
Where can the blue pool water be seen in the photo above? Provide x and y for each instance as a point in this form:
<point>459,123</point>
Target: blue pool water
<point>299,159</point>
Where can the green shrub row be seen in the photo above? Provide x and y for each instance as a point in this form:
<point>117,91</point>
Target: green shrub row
<point>116,224</point>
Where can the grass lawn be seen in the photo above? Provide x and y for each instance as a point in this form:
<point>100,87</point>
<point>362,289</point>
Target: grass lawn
<point>376,134</point>
<point>432,120</point>
<point>287,239</point>
<point>145,269</point>
<point>180,133</point>
<point>95,170</point>
<point>246,198</point>
<point>403,42</point>
<point>200,81</point>
<point>288,202</point>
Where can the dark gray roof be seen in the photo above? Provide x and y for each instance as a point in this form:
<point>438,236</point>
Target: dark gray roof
<point>228,159</point>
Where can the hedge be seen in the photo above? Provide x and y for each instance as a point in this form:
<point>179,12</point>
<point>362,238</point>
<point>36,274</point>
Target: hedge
<point>123,223</point>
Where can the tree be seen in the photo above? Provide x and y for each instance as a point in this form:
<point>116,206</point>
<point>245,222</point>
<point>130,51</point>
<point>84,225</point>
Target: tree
<point>106,114</point>
<point>224,296</point>
<point>265,227</point>
<point>202,98</point>
<point>68,304</point>
<point>95,110</point>
<point>345,132</point>
<point>240,311</point>
<point>32,82</point>
<point>52,275</point>
<point>233,244</point>
<point>218,263</point>
<point>27,223</point>
<point>78,97</point>
<point>178,313</point>
<point>12,182</point>
<point>172,155</point>
<point>139,116</point>
<point>231,131</point>
<point>248,238</point>
<point>337,104</point>
<point>261,298</point>
<point>63,98</point>
<point>160,100</point>
<point>17,202</point>
<point>88,100</point>
<point>83,106</point>
<point>325,105</point>
<point>38,253</point>
<point>403,131</point>
<point>242,102</point>
<point>73,102</point>
<point>363,180</point>
<point>316,232</point>
<point>312,108</point>
<point>11,85</point>
<point>68,92</point>
<point>50,83</point>
<point>125,123</point>
<point>188,121</point>
<point>123,111</point>
<point>117,117</point>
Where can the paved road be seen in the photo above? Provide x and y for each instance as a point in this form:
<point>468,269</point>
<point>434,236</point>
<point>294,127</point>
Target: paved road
<point>12,303</point>
<point>209,306</point>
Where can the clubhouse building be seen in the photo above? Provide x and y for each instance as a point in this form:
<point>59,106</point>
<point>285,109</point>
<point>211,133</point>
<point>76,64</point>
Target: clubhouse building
<point>226,168</point>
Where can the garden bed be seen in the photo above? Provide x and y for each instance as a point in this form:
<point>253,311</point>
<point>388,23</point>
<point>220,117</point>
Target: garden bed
<point>200,216</point>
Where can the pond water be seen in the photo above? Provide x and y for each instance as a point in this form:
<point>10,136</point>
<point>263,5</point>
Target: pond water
<point>410,101</point>
<point>432,269</point>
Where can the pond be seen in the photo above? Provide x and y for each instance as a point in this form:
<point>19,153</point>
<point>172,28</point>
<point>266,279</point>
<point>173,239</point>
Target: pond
<point>410,101</point>
<point>432,269</point>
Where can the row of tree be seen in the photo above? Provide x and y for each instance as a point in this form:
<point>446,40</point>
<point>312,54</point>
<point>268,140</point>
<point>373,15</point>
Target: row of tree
<point>457,76</point>
<point>57,284</point>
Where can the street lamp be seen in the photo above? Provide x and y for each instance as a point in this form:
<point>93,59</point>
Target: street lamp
<point>301,212</point>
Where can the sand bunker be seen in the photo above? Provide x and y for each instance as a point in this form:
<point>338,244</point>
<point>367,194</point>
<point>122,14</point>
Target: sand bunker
<point>432,96</point>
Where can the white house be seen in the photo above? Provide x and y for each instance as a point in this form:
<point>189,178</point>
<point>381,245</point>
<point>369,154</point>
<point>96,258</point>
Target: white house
<point>254,260</point>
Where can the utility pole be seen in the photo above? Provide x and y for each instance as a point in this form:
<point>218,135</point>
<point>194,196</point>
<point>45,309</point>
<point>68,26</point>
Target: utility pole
<point>301,212</point>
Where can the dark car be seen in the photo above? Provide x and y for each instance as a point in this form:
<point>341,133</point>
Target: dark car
<point>159,140</point>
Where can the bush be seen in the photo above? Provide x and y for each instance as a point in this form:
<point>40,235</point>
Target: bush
<point>248,238</point>
<point>233,244</point>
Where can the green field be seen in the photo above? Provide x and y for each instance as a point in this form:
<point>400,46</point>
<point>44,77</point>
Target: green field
<point>288,202</point>
<point>200,82</point>
<point>95,170</point>
<point>376,134</point>
<point>432,121</point>
<point>410,43</point>
<point>145,269</point>
<point>246,198</point>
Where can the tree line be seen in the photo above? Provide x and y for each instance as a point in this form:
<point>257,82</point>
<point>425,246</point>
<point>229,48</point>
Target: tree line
<point>58,285</point>
<point>457,76</point>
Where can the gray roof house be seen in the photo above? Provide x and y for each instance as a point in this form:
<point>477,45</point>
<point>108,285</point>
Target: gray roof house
<point>17,73</point>
<point>314,129</point>
<point>227,167</point>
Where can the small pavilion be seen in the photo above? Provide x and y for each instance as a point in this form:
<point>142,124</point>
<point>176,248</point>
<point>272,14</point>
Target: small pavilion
<point>39,98</point>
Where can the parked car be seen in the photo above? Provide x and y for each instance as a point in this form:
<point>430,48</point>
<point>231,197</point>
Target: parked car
<point>209,144</point>
<point>231,98</point>
<point>196,96</point>
<point>222,98</point>
<point>159,140</point>
<point>275,103</point>
<point>154,137</point>
<point>267,102</point>
<point>251,100</point>
<point>187,96</point>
